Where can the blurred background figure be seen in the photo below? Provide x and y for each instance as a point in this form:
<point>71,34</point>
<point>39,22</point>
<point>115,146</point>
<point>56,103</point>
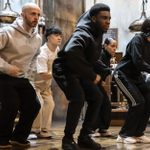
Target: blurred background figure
<point>104,118</point>
<point>108,58</point>
<point>108,52</point>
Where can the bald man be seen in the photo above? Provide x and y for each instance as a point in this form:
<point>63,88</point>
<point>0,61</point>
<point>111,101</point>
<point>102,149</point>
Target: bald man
<point>19,44</point>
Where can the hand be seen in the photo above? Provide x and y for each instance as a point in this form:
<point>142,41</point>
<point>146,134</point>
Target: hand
<point>103,83</point>
<point>13,71</point>
<point>97,79</point>
<point>45,76</point>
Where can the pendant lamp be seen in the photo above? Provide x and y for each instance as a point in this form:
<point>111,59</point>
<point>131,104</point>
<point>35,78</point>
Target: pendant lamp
<point>7,15</point>
<point>135,26</point>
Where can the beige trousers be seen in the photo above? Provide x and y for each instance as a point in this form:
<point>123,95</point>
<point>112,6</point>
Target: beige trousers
<point>43,120</point>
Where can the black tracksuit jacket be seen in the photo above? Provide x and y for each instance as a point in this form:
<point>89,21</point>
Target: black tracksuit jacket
<point>137,58</point>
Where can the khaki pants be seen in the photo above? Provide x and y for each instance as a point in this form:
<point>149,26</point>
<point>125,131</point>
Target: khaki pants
<point>44,118</point>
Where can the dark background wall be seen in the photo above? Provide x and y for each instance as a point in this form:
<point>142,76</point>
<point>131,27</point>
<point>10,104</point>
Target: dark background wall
<point>63,13</point>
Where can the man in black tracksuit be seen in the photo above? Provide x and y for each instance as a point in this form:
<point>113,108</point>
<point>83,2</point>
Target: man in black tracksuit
<point>74,72</point>
<point>128,76</point>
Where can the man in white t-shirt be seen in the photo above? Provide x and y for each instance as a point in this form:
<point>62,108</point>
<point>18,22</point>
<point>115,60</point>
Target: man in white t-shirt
<point>42,82</point>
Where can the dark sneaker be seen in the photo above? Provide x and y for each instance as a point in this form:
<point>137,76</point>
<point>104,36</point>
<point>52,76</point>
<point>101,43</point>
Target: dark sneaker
<point>101,133</point>
<point>88,143</point>
<point>105,133</point>
<point>21,143</point>
<point>5,145</point>
<point>69,144</point>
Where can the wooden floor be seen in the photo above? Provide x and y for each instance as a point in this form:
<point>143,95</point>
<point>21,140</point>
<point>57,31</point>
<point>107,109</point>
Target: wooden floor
<point>107,143</point>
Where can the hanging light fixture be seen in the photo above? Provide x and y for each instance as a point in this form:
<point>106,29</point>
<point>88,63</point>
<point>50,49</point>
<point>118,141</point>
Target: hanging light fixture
<point>41,25</point>
<point>136,25</point>
<point>42,19</point>
<point>7,15</point>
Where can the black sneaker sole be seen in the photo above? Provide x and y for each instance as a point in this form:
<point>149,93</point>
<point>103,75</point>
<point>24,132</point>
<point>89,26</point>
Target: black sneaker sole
<point>86,148</point>
<point>16,143</point>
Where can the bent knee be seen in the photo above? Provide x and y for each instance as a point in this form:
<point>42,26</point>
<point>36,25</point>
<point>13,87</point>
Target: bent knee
<point>78,102</point>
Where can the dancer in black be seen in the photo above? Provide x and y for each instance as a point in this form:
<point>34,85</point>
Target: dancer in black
<point>74,72</point>
<point>129,78</point>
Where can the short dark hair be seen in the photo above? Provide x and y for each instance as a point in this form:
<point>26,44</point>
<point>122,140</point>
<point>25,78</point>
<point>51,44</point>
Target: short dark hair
<point>145,28</point>
<point>52,30</point>
<point>108,40</point>
<point>97,8</point>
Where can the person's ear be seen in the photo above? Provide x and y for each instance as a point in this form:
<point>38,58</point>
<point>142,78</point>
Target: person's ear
<point>23,14</point>
<point>105,45</point>
<point>93,18</point>
<point>148,38</point>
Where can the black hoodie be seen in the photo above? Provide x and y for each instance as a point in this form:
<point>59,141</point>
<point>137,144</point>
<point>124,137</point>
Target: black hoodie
<point>83,49</point>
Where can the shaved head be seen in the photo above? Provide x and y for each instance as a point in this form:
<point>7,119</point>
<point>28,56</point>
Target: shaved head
<point>30,14</point>
<point>28,6</point>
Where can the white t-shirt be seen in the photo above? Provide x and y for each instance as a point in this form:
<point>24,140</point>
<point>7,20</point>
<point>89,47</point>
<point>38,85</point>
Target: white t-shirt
<point>44,65</point>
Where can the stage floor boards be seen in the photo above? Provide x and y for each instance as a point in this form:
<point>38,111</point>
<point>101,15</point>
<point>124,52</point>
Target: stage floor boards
<point>107,143</point>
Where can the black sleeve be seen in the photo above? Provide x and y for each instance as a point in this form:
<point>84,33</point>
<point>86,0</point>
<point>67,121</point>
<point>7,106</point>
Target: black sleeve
<point>102,69</point>
<point>136,47</point>
<point>75,56</point>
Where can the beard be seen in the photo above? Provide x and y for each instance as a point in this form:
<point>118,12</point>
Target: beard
<point>98,28</point>
<point>30,23</point>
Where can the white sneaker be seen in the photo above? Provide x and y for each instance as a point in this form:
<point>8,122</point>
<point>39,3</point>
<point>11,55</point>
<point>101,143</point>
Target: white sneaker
<point>32,136</point>
<point>96,134</point>
<point>126,140</point>
<point>143,139</point>
<point>102,133</point>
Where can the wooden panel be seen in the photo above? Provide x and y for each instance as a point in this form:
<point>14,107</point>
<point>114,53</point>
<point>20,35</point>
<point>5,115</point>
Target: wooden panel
<point>63,13</point>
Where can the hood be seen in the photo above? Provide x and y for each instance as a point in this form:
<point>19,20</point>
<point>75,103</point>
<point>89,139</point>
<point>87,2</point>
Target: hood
<point>18,25</point>
<point>85,22</point>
